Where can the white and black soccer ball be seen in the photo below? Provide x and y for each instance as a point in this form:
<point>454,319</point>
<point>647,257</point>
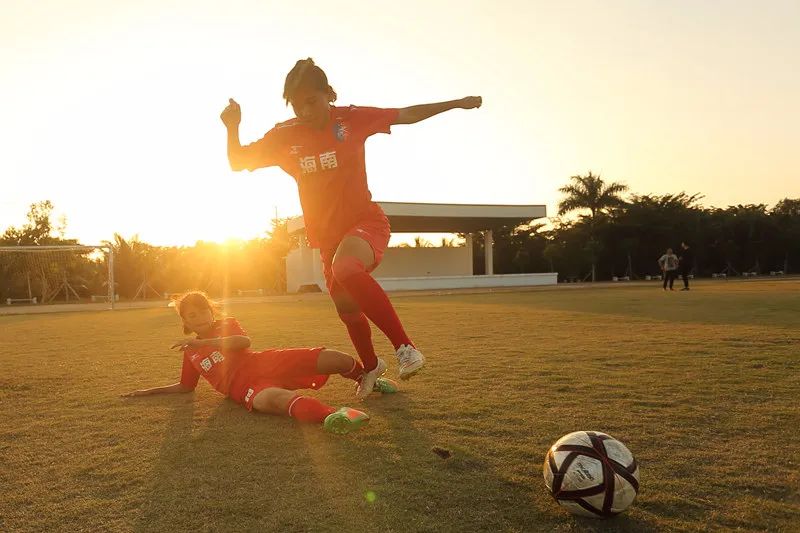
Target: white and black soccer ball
<point>591,474</point>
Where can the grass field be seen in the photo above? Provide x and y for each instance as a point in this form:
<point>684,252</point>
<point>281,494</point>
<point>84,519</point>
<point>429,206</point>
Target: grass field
<point>703,387</point>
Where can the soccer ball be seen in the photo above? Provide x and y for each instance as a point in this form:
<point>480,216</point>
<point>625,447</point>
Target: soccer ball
<point>591,474</point>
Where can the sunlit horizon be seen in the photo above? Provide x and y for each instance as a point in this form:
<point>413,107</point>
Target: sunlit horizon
<point>111,110</point>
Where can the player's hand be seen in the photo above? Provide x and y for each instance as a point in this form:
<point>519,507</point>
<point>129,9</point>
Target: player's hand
<point>183,344</point>
<point>471,102</point>
<point>134,393</point>
<point>231,116</point>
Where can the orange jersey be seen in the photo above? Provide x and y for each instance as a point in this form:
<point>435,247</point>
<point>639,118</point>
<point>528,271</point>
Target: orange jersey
<point>218,367</point>
<point>328,166</point>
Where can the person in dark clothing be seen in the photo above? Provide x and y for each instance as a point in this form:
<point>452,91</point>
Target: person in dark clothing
<point>685,264</point>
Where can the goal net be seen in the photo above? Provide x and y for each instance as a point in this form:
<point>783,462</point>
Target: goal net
<point>56,274</point>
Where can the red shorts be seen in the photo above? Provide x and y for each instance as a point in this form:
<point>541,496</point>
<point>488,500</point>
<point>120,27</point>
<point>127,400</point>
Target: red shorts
<point>292,369</point>
<point>374,228</point>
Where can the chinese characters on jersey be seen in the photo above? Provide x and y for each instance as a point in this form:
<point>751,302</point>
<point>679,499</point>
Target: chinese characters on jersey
<point>208,362</point>
<point>327,161</point>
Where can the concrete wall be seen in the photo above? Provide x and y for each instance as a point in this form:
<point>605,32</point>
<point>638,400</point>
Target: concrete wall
<point>303,267</point>
<point>417,262</point>
<point>412,269</point>
<point>467,282</point>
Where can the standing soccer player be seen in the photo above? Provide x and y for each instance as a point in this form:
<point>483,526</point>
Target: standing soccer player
<point>323,150</point>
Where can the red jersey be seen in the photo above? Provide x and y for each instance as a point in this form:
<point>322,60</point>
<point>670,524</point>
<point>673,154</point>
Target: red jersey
<point>328,166</point>
<point>218,367</point>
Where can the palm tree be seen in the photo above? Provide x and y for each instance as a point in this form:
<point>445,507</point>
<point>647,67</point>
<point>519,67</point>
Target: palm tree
<point>421,242</point>
<point>592,193</point>
<point>136,264</point>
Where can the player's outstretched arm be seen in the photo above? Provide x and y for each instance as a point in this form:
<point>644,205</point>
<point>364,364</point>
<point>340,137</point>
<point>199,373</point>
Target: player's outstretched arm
<point>259,154</point>
<point>416,113</point>
<point>231,342</point>
<point>167,389</point>
<point>231,117</point>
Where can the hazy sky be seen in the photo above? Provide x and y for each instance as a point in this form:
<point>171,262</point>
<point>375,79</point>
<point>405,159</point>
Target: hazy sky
<point>111,109</point>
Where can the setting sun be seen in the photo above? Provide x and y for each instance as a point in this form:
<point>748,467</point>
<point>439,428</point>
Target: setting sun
<point>111,110</point>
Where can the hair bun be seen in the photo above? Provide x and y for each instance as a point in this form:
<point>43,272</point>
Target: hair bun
<point>308,74</point>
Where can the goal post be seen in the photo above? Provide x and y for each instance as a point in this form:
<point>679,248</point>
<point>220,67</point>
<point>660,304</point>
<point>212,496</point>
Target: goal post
<point>43,274</point>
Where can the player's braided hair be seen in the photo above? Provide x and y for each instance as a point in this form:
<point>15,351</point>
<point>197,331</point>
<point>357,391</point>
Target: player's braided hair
<point>197,299</point>
<point>306,74</point>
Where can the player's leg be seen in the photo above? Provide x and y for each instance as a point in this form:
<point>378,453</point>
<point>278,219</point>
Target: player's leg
<point>351,264</point>
<point>356,323</point>
<point>336,362</point>
<point>303,368</point>
<point>277,401</point>
<point>361,336</point>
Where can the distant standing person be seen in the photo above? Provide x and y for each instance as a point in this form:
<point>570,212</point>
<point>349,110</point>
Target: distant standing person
<point>685,264</point>
<point>669,266</point>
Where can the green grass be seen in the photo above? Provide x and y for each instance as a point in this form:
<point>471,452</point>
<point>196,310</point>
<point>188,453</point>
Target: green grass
<point>703,387</point>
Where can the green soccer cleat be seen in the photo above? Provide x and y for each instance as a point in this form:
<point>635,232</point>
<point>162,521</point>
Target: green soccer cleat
<point>385,386</point>
<point>345,420</point>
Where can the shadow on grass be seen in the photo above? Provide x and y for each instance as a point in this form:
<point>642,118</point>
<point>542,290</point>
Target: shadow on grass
<point>166,480</point>
<point>421,491</point>
<point>221,468</point>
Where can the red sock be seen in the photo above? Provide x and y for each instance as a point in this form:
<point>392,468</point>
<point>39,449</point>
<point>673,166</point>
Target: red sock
<point>371,298</point>
<point>307,409</point>
<point>354,373</point>
<point>361,335</point>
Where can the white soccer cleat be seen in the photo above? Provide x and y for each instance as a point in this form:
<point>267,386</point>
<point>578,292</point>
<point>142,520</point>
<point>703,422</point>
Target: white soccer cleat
<point>410,359</point>
<point>367,383</point>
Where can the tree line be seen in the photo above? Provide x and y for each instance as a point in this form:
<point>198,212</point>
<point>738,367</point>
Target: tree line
<point>601,231</point>
<point>141,270</point>
<point>620,234</point>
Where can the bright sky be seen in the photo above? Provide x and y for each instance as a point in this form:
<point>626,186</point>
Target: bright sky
<point>111,109</point>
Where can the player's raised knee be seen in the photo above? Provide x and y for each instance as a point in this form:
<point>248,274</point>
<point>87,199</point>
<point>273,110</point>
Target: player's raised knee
<point>334,362</point>
<point>272,400</point>
<point>347,266</point>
